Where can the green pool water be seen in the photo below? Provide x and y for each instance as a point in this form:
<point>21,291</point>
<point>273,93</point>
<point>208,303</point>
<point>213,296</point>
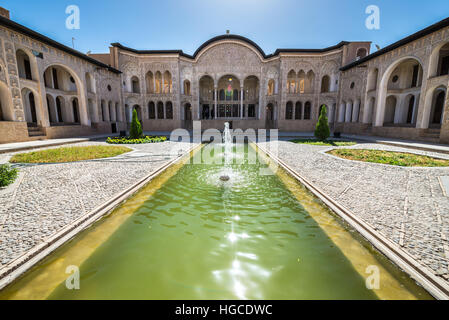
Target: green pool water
<point>197,237</point>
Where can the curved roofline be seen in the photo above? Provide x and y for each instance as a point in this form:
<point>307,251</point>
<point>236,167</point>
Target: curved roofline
<point>230,37</point>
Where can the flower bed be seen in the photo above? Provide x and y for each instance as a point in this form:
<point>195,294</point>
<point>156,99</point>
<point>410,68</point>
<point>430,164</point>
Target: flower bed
<point>127,140</point>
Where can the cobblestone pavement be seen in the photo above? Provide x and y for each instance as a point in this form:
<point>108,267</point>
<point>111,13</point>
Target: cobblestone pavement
<point>48,197</point>
<point>407,205</point>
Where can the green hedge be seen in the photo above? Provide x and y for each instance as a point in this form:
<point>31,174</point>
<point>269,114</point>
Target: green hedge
<point>128,140</point>
<point>7,175</point>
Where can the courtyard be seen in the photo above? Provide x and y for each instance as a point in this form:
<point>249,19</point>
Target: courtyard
<point>407,205</point>
<point>145,158</point>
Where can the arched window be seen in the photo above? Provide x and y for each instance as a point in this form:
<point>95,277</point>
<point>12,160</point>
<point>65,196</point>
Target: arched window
<point>443,61</point>
<point>158,80</point>
<point>24,65</point>
<point>169,110</point>
<point>89,83</point>
<point>270,87</point>
<point>151,110</point>
<point>298,111</point>
<point>361,53</point>
<point>236,95</point>
<point>187,87</point>
<point>438,107</point>
<point>289,111</point>
<point>411,106</point>
<point>135,85</point>
<point>301,81</point>
<point>372,79</point>
<point>309,83</point>
<point>390,110</point>
<point>30,106</point>
<point>307,111</point>
<point>150,82</point>
<point>160,110</point>
<point>76,115</point>
<point>59,106</point>
<point>291,82</point>
<point>167,82</point>
<point>325,84</point>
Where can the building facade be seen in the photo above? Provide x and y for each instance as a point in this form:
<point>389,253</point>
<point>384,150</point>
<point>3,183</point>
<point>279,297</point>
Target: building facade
<point>48,90</point>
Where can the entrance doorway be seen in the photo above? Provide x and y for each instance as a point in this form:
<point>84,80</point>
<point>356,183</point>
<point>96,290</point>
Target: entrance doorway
<point>188,120</point>
<point>270,121</point>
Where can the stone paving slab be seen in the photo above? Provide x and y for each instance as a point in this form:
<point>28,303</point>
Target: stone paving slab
<point>50,196</point>
<point>407,205</point>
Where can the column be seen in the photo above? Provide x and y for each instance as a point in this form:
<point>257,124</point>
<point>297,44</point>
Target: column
<point>415,109</point>
<point>348,112</point>
<point>215,102</point>
<point>355,111</point>
<point>341,115</point>
<point>399,110</point>
<point>241,102</point>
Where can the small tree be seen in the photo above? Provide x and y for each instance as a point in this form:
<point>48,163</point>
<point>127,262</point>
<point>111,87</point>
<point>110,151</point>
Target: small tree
<point>136,128</point>
<point>322,131</point>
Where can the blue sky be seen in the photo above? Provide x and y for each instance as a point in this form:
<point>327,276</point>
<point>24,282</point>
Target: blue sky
<point>186,24</point>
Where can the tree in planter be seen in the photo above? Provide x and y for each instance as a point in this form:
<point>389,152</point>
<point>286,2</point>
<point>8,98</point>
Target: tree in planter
<point>136,128</point>
<point>7,175</point>
<point>322,131</point>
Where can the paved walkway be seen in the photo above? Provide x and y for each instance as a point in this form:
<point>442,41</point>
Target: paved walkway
<point>407,205</point>
<point>421,145</point>
<point>48,197</point>
<point>28,145</point>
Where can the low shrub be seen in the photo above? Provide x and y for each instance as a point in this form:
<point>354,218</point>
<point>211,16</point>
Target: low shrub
<point>7,175</point>
<point>129,140</point>
<point>322,131</point>
<point>136,128</point>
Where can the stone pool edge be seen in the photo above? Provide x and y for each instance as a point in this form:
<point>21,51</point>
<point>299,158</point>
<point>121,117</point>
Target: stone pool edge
<point>435,286</point>
<point>19,266</point>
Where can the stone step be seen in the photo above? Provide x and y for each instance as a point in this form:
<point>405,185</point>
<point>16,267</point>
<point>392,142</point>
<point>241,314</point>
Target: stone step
<point>433,131</point>
<point>33,129</point>
<point>36,134</point>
